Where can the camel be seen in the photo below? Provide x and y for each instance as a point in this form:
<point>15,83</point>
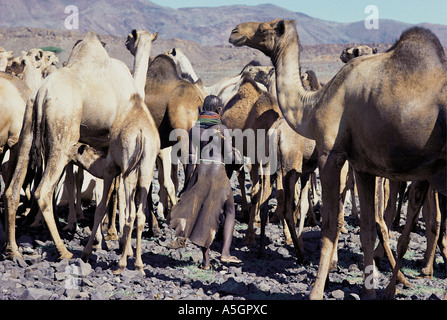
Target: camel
<point>4,57</point>
<point>251,109</point>
<point>356,51</point>
<point>174,104</point>
<point>430,211</point>
<point>66,110</point>
<point>353,117</point>
<point>13,96</point>
<point>226,88</point>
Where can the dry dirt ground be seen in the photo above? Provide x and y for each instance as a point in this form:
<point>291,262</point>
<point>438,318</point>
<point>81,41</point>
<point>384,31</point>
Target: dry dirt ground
<point>174,274</point>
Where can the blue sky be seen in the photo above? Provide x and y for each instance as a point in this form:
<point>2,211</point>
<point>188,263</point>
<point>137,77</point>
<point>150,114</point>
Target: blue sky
<point>410,11</point>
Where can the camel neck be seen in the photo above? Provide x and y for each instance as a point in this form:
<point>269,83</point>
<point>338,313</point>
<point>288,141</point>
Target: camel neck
<point>295,102</point>
<point>32,77</point>
<point>141,63</point>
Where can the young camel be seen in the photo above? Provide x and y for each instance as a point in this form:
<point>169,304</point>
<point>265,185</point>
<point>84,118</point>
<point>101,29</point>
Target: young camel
<point>353,117</point>
<point>66,109</point>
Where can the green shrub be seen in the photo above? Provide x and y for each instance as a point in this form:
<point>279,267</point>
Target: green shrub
<point>56,50</point>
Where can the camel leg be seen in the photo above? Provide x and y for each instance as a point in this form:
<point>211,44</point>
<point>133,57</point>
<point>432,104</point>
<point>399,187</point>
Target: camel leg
<point>167,171</point>
<point>402,189</point>
<point>100,212</point>
<point>112,233</point>
<point>442,240</point>
<point>129,183</point>
<point>314,200</point>
<point>416,198</point>
<point>79,179</point>
<point>255,195</point>
<point>330,228</point>
<point>55,165</point>
<point>432,216</point>
<point>366,188</point>
<point>17,171</point>
<point>297,238</point>
<point>263,206</point>
<point>245,206</point>
<point>121,206</point>
<point>281,207</point>
<point>381,225</point>
<point>350,185</point>
<point>69,184</point>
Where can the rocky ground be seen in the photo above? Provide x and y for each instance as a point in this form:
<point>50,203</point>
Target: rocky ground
<point>174,274</point>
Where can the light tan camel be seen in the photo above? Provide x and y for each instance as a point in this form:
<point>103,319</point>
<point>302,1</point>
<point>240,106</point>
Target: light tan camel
<point>67,109</point>
<point>139,43</point>
<point>353,117</point>
<point>4,57</point>
<point>13,96</point>
<point>134,145</point>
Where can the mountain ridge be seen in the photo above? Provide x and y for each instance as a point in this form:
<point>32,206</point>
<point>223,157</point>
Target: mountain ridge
<point>205,25</point>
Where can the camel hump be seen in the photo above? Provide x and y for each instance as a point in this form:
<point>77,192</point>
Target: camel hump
<point>418,46</point>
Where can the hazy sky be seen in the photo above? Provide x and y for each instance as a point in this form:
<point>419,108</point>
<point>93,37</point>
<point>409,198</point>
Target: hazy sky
<point>410,11</point>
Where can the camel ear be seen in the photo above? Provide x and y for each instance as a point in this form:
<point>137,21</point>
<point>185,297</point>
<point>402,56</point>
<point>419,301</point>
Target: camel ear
<point>155,36</point>
<point>281,27</point>
<point>39,56</point>
<point>173,52</point>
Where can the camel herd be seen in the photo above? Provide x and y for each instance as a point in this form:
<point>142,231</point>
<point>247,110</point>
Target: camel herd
<point>379,123</point>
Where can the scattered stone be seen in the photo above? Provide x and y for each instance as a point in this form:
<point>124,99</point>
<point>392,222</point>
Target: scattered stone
<point>338,294</point>
<point>35,294</point>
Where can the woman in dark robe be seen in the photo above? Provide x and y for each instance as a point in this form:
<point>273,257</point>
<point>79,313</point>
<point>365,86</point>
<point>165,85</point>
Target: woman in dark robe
<point>207,193</point>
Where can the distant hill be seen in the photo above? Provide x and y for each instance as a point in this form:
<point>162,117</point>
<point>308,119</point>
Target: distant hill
<point>207,26</point>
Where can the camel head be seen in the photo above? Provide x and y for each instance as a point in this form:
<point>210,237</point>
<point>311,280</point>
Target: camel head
<point>37,55</point>
<point>135,38</point>
<point>5,56</point>
<point>353,52</point>
<point>50,58</point>
<point>259,73</point>
<point>264,36</point>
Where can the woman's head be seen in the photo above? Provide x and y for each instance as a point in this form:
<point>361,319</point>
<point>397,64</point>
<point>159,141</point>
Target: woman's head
<point>212,103</point>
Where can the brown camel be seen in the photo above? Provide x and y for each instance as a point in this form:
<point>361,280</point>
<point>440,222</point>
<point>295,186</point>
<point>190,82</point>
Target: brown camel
<point>175,104</point>
<point>250,110</point>
<point>418,191</point>
<point>353,117</point>
<point>67,109</point>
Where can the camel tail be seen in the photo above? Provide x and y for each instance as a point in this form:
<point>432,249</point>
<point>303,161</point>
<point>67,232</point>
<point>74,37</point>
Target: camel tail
<point>137,155</point>
<point>37,147</point>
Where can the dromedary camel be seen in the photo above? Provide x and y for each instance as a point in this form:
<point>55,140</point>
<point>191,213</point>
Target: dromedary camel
<point>67,109</point>
<point>430,211</point>
<point>174,104</point>
<point>356,51</point>
<point>13,96</point>
<point>368,120</point>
